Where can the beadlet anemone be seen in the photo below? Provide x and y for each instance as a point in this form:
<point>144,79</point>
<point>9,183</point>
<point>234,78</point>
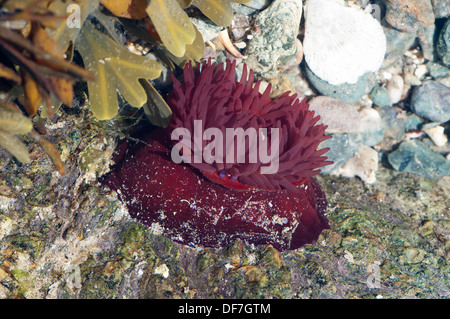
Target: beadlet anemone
<point>211,204</point>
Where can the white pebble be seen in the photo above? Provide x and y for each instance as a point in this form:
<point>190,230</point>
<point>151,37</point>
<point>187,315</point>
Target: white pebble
<point>363,164</point>
<point>341,43</point>
<point>437,135</point>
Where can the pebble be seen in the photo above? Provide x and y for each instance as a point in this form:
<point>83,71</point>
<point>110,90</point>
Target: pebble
<point>240,27</point>
<point>397,43</point>
<point>207,29</point>
<point>380,96</point>
<point>436,134</point>
<point>431,100</point>
<point>426,40</point>
<point>441,8</point>
<point>363,164</point>
<point>348,93</point>
<point>395,87</point>
<point>341,43</point>
<point>342,148</point>
<point>443,44</point>
<point>409,15</point>
<point>413,123</point>
<point>415,157</point>
<point>339,116</point>
<point>393,123</point>
<point>251,7</point>
<point>274,48</point>
<point>437,70</point>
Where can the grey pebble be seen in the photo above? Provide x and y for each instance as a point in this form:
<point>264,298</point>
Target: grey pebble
<point>393,125</point>
<point>437,70</point>
<point>441,8</point>
<point>443,44</point>
<point>342,147</point>
<point>431,100</point>
<point>409,15</point>
<point>397,43</point>
<point>274,48</point>
<point>413,123</point>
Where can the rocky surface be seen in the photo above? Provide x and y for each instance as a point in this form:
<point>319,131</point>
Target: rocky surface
<point>67,237</point>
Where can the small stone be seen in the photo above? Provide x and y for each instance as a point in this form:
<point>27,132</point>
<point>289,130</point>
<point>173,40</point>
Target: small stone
<point>348,93</point>
<point>162,270</point>
<point>426,37</point>
<point>412,255</point>
<point>413,123</point>
<point>441,8</point>
<point>371,126</point>
<point>240,26</point>
<point>339,116</point>
<point>363,164</point>
<point>380,96</point>
<point>342,148</point>
<point>251,7</point>
<point>341,43</point>
<point>409,15</point>
<point>395,88</point>
<point>416,158</point>
<point>420,71</point>
<point>432,101</point>
<point>437,70</point>
<point>274,49</point>
<point>443,44</point>
<point>207,29</point>
<point>393,123</point>
<point>397,43</point>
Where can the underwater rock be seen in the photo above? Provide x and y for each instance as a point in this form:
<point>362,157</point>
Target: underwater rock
<point>341,43</point>
<point>341,117</point>
<point>443,44</point>
<point>275,47</point>
<point>436,133</point>
<point>210,194</point>
<point>395,87</point>
<point>409,15</point>
<point>363,164</point>
<point>393,123</point>
<point>441,8</point>
<point>437,70</point>
<point>415,157</point>
<point>348,93</point>
<point>380,96</point>
<point>342,148</point>
<point>397,43</point>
